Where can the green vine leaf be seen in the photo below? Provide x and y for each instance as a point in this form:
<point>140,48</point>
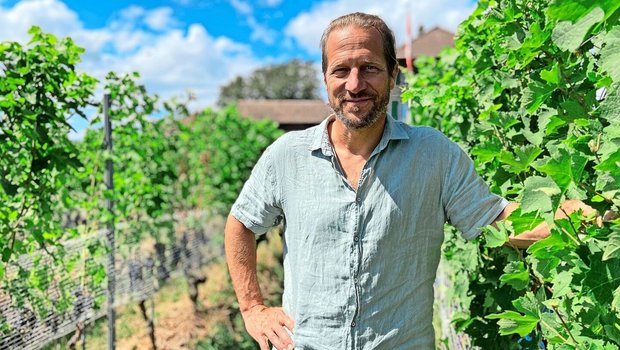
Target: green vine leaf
<point>612,249</point>
<point>551,75</point>
<point>602,279</point>
<point>568,36</point>
<point>610,163</point>
<point>521,160</point>
<point>610,54</point>
<point>515,275</point>
<point>496,237</point>
<point>615,303</point>
<point>535,95</point>
<point>610,107</point>
<point>538,194</point>
<point>562,284</point>
<point>528,305</point>
<point>563,166</point>
<point>522,222</point>
<point>561,10</point>
<point>511,322</point>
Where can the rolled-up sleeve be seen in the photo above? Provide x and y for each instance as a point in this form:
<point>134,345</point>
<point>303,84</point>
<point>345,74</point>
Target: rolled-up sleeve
<point>468,203</point>
<point>258,207</point>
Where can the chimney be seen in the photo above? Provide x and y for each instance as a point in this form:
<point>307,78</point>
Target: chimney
<point>420,31</point>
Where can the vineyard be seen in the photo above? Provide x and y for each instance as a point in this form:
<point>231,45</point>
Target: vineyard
<point>531,92</point>
<point>61,202</point>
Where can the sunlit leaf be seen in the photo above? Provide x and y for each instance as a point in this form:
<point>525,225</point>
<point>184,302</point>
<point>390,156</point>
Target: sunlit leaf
<point>568,36</point>
<point>511,322</point>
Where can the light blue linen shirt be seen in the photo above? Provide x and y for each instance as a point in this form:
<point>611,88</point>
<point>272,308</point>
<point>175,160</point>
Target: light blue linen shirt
<point>359,265</point>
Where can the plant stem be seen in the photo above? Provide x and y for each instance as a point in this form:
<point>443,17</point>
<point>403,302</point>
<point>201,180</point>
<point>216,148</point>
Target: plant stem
<point>572,225</point>
<point>577,242</point>
<point>555,309</point>
<point>554,331</point>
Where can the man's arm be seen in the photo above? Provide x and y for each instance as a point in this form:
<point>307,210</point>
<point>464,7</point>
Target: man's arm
<point>541,231</point>
<point>262,323</point>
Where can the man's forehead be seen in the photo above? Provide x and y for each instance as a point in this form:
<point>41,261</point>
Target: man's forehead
<point>347,29</point>
<point>352,37</point>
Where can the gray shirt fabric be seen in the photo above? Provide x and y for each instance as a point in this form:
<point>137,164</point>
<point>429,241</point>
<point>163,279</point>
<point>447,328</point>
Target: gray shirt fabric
<point>359,265</point>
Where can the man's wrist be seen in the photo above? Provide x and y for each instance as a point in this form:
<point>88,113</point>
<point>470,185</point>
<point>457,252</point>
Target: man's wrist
<point>258,306</point>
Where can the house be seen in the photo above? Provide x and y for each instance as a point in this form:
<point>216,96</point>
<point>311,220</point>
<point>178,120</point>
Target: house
<point>290,114</point>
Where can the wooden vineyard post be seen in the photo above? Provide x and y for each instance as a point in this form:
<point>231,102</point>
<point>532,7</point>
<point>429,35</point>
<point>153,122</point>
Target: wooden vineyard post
<point>108,179</point>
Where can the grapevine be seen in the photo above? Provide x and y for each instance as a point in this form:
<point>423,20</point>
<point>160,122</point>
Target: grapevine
<point>52,191</point>
<point>532,94</point>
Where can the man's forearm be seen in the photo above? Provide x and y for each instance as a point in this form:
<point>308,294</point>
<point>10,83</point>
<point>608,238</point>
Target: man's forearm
<point>240,247</point>
<point>525,239</point>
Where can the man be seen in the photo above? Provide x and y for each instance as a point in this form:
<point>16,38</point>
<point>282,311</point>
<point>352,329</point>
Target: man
<point>364,199</point>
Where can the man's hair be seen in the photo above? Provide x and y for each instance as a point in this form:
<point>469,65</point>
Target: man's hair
<point>365,21</point>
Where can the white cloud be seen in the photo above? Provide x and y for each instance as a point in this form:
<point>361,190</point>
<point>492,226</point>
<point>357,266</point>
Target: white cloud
<point>51,15</point>
<point>260,32</point>
<point>170,60</point>
<point>160,18</point>
<point>194,60</point>
<point>131,13</point>
<point>306,29</point>
<point>243,7</point>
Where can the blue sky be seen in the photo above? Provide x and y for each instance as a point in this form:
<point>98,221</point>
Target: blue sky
<point>199,45</point>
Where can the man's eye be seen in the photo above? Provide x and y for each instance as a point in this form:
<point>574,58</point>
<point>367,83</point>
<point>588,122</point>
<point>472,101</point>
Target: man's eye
<point>371,69</point>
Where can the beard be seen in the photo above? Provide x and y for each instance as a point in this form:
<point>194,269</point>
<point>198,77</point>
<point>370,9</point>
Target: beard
<point>378,109</point>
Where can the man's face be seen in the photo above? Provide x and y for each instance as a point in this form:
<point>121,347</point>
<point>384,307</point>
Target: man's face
<point>358,83</point>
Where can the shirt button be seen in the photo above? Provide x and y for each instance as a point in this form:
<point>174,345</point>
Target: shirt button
<point>355,280</point>
<point>356,238</point>
<point>359,199</point>
<point>353,324</point>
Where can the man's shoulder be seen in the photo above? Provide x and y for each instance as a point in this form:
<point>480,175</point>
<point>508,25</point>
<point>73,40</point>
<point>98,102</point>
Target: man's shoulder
<point>423,133</point>
<point>297,140</point>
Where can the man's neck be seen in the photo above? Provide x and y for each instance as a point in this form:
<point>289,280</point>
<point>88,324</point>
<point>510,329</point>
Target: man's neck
<point>356,142</point>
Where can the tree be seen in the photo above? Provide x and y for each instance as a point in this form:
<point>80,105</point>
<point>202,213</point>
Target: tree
<point>292,80</point>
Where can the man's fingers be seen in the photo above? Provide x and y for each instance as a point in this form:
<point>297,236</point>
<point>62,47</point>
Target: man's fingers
<point>287,321</point>
<point>282,339</point>
<point>270,325</point>
<point>264,343</point>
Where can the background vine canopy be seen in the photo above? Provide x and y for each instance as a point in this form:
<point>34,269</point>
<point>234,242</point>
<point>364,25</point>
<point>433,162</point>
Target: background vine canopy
<point>532,92</point>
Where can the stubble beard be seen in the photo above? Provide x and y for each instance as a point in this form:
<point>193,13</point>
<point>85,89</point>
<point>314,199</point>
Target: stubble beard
<point>379,108</point>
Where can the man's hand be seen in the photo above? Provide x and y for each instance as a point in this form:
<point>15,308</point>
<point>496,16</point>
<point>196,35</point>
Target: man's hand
<point>269,324</point>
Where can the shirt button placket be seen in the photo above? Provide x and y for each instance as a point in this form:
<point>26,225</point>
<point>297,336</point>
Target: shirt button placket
<point>356,239</point>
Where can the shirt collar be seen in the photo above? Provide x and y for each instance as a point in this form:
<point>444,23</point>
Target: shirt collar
<point>393,130</point>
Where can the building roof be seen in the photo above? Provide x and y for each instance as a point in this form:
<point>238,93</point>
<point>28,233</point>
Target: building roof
<point>286,111</point>
<point>429,43</point>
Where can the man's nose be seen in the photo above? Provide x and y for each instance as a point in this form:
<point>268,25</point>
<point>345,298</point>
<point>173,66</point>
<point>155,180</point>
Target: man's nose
<point>355,82</point>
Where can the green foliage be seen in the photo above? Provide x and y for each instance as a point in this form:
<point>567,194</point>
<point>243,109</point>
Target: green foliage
<point>531,91</point>
<point>39,91</point>
<point>163,161</point>
<point>292,80</point>
<point>218,152</point>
